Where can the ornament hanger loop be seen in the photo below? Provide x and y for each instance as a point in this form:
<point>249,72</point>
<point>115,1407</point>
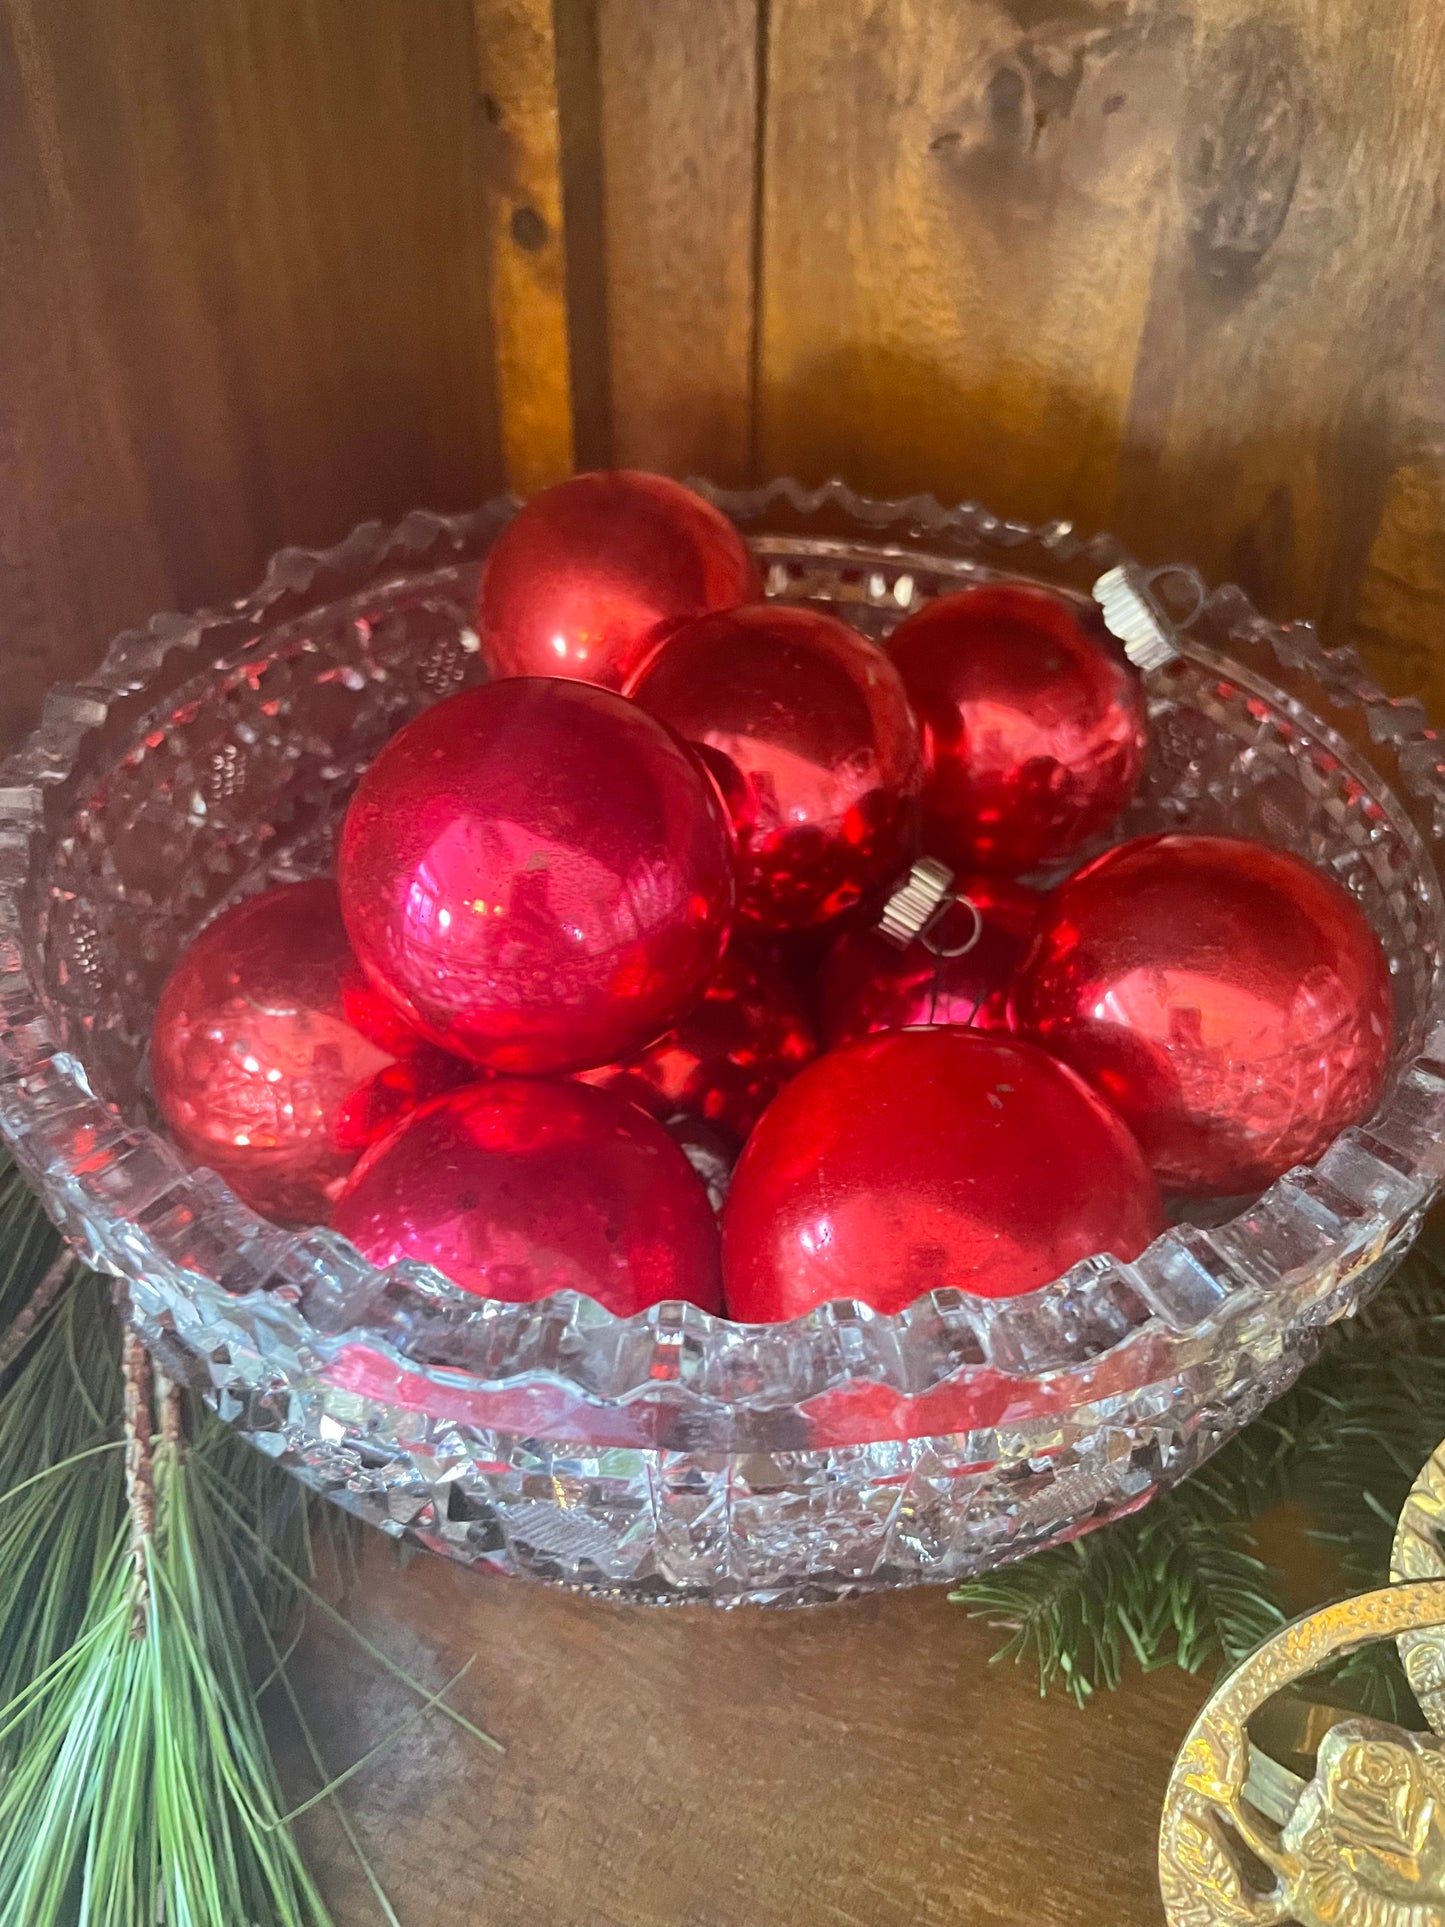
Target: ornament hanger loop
<point>1193,581</point>
<point>929,939</point>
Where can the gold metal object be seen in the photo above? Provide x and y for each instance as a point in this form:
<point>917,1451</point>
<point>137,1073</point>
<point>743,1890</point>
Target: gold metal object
<point>1417,1554</point>
<point>1364,1843</point>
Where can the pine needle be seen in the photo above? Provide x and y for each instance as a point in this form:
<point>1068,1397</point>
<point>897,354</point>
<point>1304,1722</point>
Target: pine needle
<point>137,1784</point>
<point>1183,1583</point>
<point>1177,1584</point>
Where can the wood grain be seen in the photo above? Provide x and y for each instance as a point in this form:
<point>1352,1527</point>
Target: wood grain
<point>517,49</point>
<point>960,212</point>
<point>679,96</point>
<point>244,299</point>
<point>851,1766</point>
<point>1294,288</point>
<point>1175,270</point>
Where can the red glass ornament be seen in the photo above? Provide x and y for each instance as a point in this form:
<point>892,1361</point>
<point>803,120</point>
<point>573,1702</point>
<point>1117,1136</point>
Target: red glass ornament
<point>539,874</point>
<point>592,573</point>
<point>275,1062</point>
<point>1033,725</point>
<point>729,1057</point>
<point>806,728</point>
<point>927,1159</point>
<point>868,984</point>
<point>520,1187</point>
<point>1232,1003</point>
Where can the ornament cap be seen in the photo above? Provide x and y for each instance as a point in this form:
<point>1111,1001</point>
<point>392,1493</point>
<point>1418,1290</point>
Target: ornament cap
<point>1132,615</point>
<point>918,902</point>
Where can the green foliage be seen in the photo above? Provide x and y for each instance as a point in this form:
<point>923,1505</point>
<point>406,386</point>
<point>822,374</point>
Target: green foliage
<point>136,1780</point>
<point>1183,1582</point>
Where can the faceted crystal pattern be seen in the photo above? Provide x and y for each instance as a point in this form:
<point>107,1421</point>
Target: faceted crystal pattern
<point>673,1456</point>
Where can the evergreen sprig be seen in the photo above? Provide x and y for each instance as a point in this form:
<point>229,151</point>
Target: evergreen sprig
<point>1185,1581</point>
<point>147,1554</point>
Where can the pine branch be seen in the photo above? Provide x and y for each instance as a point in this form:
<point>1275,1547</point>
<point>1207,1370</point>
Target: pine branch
<point>1183,1583</point>
<point>144,1549</point>
<point>1177,1584</point>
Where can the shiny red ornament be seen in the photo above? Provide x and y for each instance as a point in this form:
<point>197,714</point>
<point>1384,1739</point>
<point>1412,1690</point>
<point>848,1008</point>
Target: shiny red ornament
<point>1033,725</point>
<point>924,1160</point>
<point>729,1057</point>
<point>523,1186</point>
<point>592,573</point>
<point>805,725</point>
<point>1231,1002</point>
<point>960,973</point>
<point>539,874</point>
<point>275,1063</point>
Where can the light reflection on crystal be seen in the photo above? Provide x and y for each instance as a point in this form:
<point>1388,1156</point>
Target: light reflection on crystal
<point>671,1456</point>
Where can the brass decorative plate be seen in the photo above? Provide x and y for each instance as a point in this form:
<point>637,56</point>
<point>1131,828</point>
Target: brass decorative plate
<point>1419,1553</point>
<point>1364,1843</point>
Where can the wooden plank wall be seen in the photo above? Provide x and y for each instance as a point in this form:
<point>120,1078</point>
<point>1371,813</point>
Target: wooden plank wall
<point>268,266</point>
<point>244,298</point>
<point>1174,268</point>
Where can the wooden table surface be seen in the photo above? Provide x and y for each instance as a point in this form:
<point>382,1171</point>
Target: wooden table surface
<point>859,1765</point>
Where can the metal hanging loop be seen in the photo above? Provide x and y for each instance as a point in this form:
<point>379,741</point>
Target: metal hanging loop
<point>943,951</point>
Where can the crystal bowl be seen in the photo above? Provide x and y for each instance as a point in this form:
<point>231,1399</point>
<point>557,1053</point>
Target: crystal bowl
<point>674,1456</point>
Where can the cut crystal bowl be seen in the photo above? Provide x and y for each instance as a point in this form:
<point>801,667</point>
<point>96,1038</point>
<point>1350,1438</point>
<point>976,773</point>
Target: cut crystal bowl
<point>673,1456</point>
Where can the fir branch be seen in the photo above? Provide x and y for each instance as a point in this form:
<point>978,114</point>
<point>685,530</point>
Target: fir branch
<point>1183,1582</point>
<point>1176,1584</point>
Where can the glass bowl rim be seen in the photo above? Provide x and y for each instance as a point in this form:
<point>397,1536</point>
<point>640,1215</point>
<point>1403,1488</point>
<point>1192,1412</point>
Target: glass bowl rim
<point>669,1350</point>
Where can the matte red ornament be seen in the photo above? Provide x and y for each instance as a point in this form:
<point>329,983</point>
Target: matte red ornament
<point>729,1057</point>
<point>275,1062</point>
<point>924,1160</point>
<point>806,728</point>
<point>539,874</point>
<point>520,1187</point>
<point>1232,1003</point>
<point>960,973</point>
<point>592,573</point>
<point>1033,725</point>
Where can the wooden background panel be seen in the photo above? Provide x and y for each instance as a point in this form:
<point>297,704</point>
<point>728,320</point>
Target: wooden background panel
<point>961,206</point>
<point>1174,269</point>
<point>858,1765</point>
<point>1280,375</point>
<point>678,85</point>
<point>244,301</point>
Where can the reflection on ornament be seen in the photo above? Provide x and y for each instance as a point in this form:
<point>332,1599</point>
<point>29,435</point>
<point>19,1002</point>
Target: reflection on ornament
<point>1362,1844</point>
<point>275,1062</point>
<point>960,971</point>
<point>729,1057</point>
<point>539,874</point>
<point>926,1160</point>
<point>522,1186</point>
<point>1232,1003</point>
<point>592,573</point>
<point>1033,725</point>
<point>710,1152</point>
<point>806,729</point>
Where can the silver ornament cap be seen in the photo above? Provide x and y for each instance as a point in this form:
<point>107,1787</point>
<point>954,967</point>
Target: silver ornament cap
<point>1133,616</point>
<point>918,902</point>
